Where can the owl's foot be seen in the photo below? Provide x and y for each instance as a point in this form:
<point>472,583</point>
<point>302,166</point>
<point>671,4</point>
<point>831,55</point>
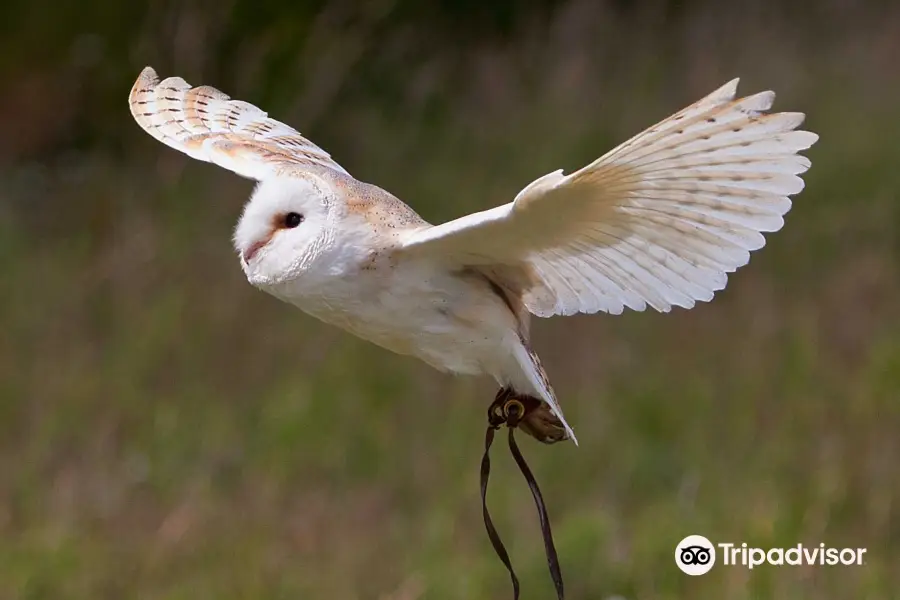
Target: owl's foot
<point>533,416</point>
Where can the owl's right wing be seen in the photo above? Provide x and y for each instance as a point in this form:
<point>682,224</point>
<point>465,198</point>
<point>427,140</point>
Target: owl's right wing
<point>658,221</point>
<point>206,124</point>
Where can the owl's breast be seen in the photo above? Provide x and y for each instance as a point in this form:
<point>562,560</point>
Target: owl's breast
<point>451,320</point>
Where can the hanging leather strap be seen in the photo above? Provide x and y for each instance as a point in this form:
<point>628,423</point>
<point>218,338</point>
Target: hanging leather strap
<point>499,548</point>
<point>509,411</point>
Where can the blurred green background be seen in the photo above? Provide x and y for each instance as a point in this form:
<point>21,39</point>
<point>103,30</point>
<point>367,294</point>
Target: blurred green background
<point>168,432</point>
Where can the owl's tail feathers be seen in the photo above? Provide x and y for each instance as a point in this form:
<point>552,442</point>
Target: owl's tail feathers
<point>547,423</point>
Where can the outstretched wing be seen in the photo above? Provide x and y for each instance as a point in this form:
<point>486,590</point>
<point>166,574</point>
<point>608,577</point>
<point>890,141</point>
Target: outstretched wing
<point>206,124</point>
<point>657,221</point>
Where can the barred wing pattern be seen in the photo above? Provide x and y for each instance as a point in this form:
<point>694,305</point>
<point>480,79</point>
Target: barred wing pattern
<point>660,220</point>
<point>208,125</point>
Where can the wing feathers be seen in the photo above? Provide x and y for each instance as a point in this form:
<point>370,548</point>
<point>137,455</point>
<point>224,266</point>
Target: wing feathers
<point>206,124</point>
<point>660,220</point>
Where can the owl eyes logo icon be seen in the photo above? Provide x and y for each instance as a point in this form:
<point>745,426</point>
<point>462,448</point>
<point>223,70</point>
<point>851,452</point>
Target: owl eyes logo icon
<point>695,555</point>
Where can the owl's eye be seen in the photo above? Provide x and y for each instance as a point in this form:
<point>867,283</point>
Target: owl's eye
<point>292,219</point>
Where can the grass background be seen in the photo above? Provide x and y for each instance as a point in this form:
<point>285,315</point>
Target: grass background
<point>168,432</point>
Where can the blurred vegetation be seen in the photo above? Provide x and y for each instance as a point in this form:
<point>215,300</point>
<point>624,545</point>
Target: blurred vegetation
<point>168,432</point>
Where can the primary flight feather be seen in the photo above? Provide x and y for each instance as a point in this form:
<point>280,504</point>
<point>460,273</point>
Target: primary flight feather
<point>658,221</point>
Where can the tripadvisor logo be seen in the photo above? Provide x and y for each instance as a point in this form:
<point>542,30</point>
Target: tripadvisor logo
<point>733,554</point>
<point>696,555</point>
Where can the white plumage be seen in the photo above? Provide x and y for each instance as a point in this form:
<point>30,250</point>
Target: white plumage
<point>658,221</point>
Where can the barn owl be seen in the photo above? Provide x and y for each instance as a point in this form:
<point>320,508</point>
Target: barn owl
<point>658,221</point>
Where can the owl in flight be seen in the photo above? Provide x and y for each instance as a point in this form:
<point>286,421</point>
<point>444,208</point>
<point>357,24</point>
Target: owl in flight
<point>658,221</point>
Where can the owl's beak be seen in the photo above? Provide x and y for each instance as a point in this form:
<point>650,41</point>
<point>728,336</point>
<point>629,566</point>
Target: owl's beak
<point>251,250</point>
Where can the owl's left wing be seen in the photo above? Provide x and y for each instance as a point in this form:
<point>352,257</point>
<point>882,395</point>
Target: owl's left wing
<point>208,125</point>
<point>658,221</point>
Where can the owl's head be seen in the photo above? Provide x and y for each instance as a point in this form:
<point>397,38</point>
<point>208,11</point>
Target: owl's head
<point>286,229</point>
